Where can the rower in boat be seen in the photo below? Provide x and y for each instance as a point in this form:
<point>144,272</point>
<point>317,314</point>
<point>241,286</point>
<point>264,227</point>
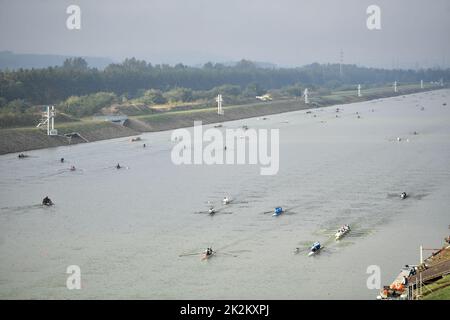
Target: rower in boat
<point>21,156</point>
<point>315,248</point>
<point>403,195</point>
<point>342,231</point>
<point>72,168</point>
<point>226,200</point>
<point>211,210</point>
<point>62,160</point>
<point>208,253</point>
<point>118,166</point>
<point>47,202</point>
<point>278,211</point>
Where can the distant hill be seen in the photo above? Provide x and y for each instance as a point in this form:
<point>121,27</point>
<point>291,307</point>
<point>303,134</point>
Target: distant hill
<point>13,61</point>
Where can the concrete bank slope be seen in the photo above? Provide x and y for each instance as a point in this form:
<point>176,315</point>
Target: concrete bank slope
<point>23,139</point>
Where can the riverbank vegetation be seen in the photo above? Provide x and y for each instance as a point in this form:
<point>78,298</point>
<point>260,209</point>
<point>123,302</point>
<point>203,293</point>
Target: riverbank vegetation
<point>439,290</point>
<point>138,88</point>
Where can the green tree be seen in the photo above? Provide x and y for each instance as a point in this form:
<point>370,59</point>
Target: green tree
<point>178,95</point>
<point>253,89</point>
<point>295,90</point>
<point>88,105</point>
<point>152,96</point>
<point>75,64</point>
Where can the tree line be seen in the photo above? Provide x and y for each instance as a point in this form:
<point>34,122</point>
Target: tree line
<point>136,78</point>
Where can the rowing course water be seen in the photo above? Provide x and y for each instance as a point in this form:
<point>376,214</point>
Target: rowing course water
<point>126,228</point>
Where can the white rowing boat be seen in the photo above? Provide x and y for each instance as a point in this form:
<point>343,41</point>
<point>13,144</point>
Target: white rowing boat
<point>207,256</point>
<point>342,232</point>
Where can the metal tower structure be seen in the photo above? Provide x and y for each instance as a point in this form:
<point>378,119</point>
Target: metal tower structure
<point>48,118</point>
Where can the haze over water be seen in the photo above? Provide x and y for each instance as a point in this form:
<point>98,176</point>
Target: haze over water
<point>126,228</point>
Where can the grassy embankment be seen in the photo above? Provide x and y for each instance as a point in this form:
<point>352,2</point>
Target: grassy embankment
<point>439,290</point>
<point>185,118</point>
<point>28,138</point>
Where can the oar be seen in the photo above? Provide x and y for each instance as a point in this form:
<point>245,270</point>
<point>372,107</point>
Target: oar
<point>223,212</point>
<point>289,210</point>
<point>298,250</point>
<point>239,251</point>
<point>228,254</point>
<point>189,254</point>
<point>201,212</point>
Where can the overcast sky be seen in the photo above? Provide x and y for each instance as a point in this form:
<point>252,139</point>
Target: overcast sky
<point>285,32</point>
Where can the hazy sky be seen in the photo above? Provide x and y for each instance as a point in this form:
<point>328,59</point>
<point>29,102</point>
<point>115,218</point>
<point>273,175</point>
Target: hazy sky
<point>286,32</point>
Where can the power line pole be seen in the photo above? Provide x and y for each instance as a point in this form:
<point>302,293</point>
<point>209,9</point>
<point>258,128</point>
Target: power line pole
<point>219,104</point>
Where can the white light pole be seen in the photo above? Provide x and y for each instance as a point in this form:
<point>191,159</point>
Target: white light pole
<point>219,104</point>
<point>421,84</point>
<point>395,86</point>
<point>305,93</point>
<point>359,90</point>
<point>421,255</point>
<point>52,114</point>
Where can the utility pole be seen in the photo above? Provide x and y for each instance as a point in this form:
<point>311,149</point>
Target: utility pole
<point>219,104</point>
<point>421,254</point>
